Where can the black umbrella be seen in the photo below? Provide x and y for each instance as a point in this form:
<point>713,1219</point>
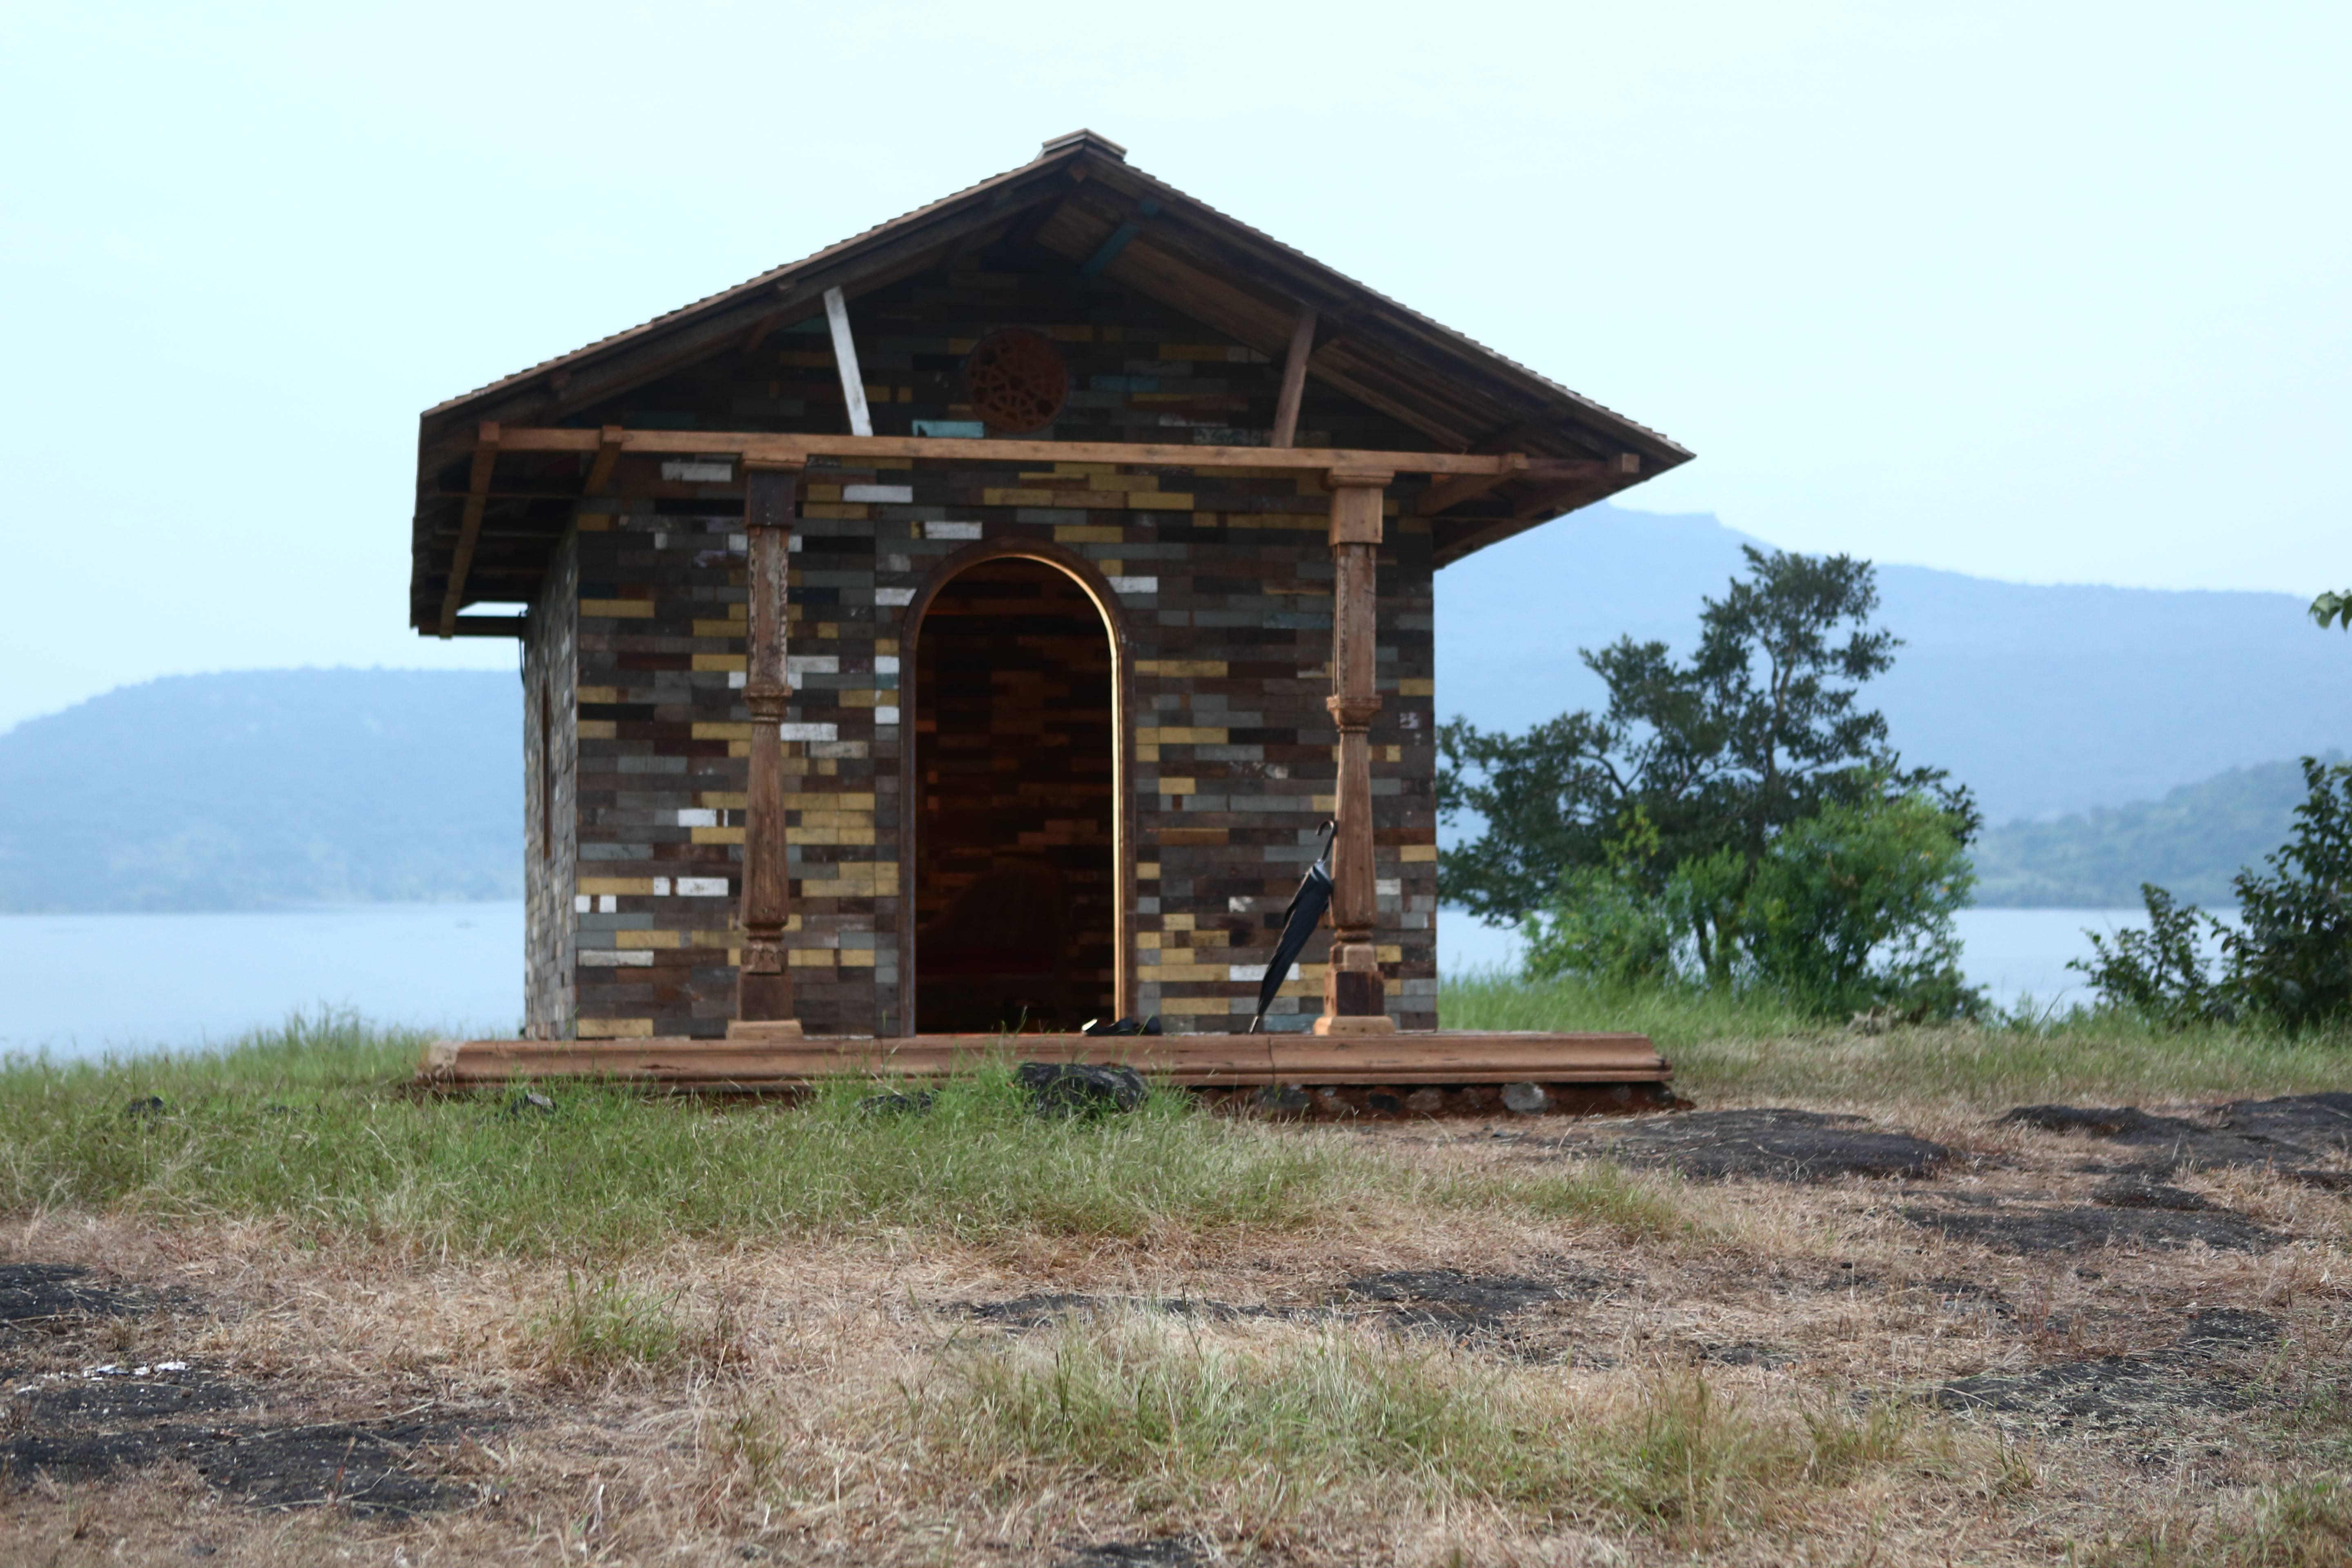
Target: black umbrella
<point>1298,923</point>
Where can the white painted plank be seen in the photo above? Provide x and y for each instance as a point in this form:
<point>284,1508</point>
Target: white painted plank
<point>845,360</point>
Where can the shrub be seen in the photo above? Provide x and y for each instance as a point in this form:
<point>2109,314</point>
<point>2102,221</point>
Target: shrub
<point>2158,973</point>
<point>1851,908</point>
<point>1848,909</point>
<point>2289,959</point>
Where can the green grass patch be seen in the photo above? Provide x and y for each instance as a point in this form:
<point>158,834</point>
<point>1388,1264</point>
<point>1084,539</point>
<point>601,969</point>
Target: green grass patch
<point>1641,1205</point>
<point>1347,1418</point>
<point>1753,1047</point>
<point>312,1123</point>
<point>2305,1524</point>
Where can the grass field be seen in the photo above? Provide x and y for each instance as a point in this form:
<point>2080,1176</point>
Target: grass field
<point>647,1330</point>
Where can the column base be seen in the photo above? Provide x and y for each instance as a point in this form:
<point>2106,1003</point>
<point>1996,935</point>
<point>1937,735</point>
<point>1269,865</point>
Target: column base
<point>763,1029</point>
<point>1356,1024</point>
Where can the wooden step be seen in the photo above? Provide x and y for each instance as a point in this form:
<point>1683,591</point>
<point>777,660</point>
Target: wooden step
<point>1438,1056</point>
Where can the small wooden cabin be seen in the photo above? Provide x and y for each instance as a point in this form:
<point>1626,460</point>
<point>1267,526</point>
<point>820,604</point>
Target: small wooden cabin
<point>973,623</point>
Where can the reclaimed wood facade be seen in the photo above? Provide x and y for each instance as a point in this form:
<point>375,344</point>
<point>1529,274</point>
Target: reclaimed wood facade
<point>1223,588</point>
<point>1198,719</point>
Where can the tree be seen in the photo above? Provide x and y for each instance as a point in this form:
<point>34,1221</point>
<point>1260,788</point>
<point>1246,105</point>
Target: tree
<point>2333,607</point>
<point>1760,729</point>
<point>2289,957</point>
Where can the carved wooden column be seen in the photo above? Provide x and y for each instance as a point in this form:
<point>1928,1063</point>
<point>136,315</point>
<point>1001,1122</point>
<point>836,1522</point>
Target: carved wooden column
<point>763,984</point>
<point>1354,1002</point>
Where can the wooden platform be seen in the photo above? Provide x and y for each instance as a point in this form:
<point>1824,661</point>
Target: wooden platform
<point>1206,1061</point>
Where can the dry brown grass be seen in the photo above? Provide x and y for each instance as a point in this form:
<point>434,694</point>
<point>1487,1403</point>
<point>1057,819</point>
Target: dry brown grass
<point>662,1336</point>
<point>1728,1372</point>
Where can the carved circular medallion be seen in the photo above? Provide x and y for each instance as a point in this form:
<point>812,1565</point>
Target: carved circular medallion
<point>1014,378</point>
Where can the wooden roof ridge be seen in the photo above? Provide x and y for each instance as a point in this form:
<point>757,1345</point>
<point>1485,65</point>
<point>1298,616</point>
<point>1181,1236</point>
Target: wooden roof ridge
<point>1083,153</point>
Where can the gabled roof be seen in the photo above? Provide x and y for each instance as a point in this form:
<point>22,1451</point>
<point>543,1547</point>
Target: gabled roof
<point>1081,198</point>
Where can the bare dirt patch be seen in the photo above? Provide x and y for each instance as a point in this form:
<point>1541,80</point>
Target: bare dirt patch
<point>66,1418</point>
<point>2204,1371</point>
<point>2058,1227</point>
<point>2298,1134</point>
<point>36,1295</point>
<point>1775,1144</point>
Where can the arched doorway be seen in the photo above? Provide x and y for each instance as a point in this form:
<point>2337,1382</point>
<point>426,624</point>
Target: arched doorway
<point>1014,803</point>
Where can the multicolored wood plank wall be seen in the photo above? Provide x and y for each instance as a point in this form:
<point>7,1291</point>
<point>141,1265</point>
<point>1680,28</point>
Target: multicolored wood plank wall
<point>1222,584</point>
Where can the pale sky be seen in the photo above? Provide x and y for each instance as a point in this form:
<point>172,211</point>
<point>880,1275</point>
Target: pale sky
<point>2053,293</point>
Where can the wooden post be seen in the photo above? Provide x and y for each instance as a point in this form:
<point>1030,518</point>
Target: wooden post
<point>763,984</point>
<point>1354,1002</point>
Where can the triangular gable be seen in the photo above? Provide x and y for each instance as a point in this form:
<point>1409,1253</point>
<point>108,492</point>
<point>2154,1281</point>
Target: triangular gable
<point>1081,200</point>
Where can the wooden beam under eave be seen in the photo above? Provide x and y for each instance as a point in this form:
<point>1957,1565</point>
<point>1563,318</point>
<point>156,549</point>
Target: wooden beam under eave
<point>799,447</point>
<point>1456,537</point>
<point>469,523</point>
<point>1294,379</point>
<point>1569,476</point>
<point>489,626</point>
<point>1467,487</point>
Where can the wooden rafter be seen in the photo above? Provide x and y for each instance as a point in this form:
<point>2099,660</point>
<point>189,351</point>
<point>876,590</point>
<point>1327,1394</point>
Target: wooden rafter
<point>845,360</point>
<point>469,523</point>
<point>608,456</point>
<point>1294,378</point>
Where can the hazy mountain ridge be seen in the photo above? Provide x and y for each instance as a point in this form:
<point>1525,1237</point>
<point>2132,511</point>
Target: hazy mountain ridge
<point>2044,699</point>
<point>267,789</point>
<point>2192,842</point>
<point>273,788</point>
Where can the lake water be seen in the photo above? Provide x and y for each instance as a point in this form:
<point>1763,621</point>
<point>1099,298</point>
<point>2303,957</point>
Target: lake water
<point>82,984</point>
<point>2010,953</point>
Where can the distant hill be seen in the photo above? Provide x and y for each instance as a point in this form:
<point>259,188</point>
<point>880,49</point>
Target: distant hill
<point>2192,842</point>
<point>2044,700</point>
<point>267,789</point>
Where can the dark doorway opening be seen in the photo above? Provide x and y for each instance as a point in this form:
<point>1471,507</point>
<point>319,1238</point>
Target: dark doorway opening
<point>1017,883</point>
